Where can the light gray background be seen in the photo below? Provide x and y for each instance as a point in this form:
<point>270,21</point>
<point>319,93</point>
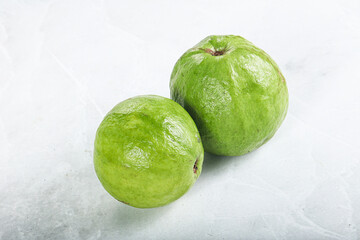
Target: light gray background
<point>64,64</point>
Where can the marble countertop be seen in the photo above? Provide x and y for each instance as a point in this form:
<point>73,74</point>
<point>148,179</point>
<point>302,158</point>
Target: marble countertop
<point>64,64</point>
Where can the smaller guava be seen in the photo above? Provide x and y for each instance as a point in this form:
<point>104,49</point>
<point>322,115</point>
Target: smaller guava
<point>148,151</point>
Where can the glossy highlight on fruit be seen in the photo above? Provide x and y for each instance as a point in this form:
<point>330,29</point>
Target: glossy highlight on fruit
<point>233,90</point>
<point>148,151</point>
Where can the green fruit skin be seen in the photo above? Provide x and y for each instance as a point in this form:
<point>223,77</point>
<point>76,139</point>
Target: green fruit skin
<point>145,151</point>
<point>238,100</point>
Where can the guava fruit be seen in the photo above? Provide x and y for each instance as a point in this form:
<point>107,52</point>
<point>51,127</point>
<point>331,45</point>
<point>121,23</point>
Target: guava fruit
<point>148,151</point>
<point>233,90</point>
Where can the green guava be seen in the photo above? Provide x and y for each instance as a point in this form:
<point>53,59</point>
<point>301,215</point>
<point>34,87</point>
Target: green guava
<point>148,151</point>
<point>233,90</point>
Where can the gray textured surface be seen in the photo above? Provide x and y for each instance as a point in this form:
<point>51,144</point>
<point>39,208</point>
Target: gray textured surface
<point>64,64</point>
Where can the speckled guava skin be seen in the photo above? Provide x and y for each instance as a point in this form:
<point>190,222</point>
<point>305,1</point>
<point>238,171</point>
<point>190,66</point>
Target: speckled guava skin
<point>148,151</point>
<point>233,90</point>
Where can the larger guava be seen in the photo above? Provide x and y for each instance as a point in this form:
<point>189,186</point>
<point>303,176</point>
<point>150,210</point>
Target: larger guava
<point>233,90</point>
<point>148,151</point>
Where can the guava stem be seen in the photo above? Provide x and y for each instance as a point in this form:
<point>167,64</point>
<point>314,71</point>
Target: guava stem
<point>214,53</point>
